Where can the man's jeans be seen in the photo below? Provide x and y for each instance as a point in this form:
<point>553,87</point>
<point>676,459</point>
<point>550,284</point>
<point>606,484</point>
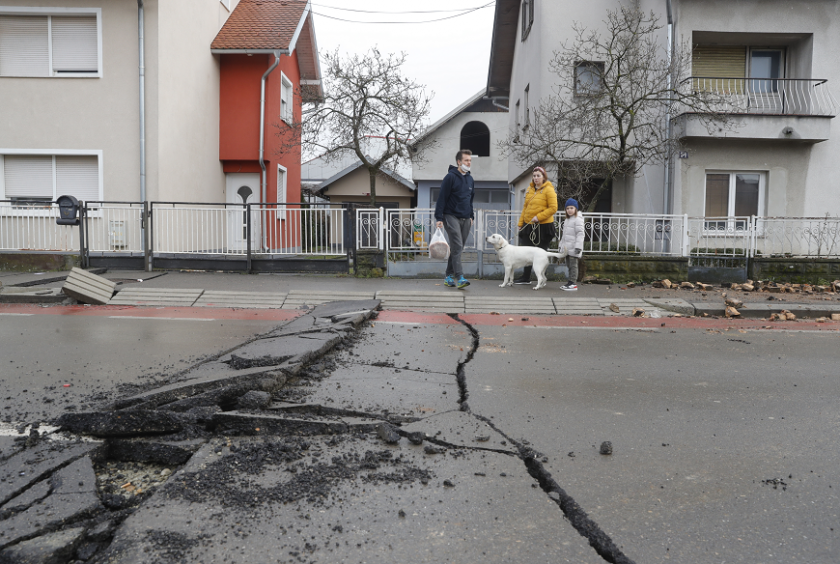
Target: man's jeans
<point>458,230</point>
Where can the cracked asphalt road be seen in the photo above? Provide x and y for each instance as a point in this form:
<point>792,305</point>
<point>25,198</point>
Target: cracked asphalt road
<point>725,450</point>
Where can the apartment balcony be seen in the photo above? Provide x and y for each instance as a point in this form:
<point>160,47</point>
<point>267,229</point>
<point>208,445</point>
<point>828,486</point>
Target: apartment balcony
<point>759,108</point>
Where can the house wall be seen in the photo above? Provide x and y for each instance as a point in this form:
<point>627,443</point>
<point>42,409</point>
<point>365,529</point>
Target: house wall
<point>803,179</point>
<point>187,118</point>
<point>554,24</point>
<point>239,126</point>
<point>435,160</point>
<point>355,187</point>
<point>85,113</point>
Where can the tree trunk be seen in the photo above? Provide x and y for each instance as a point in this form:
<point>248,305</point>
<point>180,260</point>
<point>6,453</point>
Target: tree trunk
<point>597,194</point>
<point>372,173</point>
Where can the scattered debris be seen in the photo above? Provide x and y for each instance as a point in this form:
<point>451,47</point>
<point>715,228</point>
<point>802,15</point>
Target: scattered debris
<point>614,308</point>
<point>606,448</point>
<point>639,312</point>
<point>731,312</point>
<point>687,286</point>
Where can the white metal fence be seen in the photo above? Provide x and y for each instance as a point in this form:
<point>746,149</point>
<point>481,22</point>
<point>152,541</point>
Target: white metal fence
<point>114,227</point>
<point>407,231</point>
<point>261,230</point>
<point>370,229</point>
<point>31,227</point>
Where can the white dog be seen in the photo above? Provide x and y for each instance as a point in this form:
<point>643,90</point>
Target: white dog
<point>514,257</point>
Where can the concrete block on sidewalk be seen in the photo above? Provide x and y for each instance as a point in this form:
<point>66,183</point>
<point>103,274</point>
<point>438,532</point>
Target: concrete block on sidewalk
<point>88,288</point>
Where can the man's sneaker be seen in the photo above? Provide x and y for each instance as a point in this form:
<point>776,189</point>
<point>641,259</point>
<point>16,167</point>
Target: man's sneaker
<point>522,281</point>
<point>463,282</point>
<point>569,286</point>
<point>449,281</point>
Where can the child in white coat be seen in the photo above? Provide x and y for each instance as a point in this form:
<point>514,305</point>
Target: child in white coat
<point>572,241</point>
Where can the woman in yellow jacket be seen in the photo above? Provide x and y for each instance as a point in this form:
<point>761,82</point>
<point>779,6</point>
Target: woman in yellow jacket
<point>536,222</point>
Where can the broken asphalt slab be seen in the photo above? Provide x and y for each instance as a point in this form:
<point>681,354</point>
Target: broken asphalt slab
<point>342,498</point>
<point>72,496</point>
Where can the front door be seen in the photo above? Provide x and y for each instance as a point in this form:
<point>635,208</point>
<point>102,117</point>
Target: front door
<point>767,94</point>
<point>242,188</point>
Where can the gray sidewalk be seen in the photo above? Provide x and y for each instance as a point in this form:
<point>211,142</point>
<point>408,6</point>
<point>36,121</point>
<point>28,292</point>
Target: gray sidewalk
<point>294,291</point>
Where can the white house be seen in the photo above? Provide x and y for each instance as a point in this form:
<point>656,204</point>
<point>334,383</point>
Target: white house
<point>776,59</point>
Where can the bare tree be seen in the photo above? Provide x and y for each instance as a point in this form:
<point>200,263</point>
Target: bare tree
<point>608,112</point>
<point>366,97</point>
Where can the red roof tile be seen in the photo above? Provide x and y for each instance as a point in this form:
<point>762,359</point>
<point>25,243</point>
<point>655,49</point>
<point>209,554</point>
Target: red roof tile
<point>260,24</point>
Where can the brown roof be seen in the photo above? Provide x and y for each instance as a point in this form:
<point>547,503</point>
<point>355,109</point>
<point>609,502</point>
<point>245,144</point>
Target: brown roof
<point>260,24</point>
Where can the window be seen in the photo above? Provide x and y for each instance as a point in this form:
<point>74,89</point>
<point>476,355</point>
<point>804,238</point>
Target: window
<point>32,180</point>
<point>766,64</point>
<point>589,78</point>
<point>65,43</point>
<point>518,121</point>
<point>527,17</point>
<point>527,119</point>
<point>729,194</point>
<point>286,108</point>
<point>482,196</point>
<point>281,191</point>
<point>226,4</point>
<point>475,136</point>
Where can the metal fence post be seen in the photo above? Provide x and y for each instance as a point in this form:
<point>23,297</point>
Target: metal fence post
<point>247,238</point>
<point>349,233</point>
<point>145,223</point>
<point>686,251</point>
<point>82,240</point>
<point>381,228</point>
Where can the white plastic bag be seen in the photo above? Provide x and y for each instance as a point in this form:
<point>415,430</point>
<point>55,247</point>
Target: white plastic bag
<point>438,247</point>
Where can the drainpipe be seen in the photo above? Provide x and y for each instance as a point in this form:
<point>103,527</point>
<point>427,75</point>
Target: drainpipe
<point>263,193</point>
<point>666,192</point>
<point>142,64</point>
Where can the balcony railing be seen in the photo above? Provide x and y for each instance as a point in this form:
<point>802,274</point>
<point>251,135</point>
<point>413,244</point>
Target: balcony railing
<point>761,96</point>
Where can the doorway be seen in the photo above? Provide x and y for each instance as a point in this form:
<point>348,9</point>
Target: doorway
<point>242,188</point>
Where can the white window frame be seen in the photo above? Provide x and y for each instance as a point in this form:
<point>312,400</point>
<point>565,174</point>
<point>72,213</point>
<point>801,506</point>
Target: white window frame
<point>527,117</point>
<point>762,190</point>
<point>287,89</point>
<point>34,212</point>
<point>281,210</point>
<point>30,11</point>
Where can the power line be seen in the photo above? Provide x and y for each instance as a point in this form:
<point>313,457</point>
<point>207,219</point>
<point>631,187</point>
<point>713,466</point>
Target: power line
<point>469,11</point>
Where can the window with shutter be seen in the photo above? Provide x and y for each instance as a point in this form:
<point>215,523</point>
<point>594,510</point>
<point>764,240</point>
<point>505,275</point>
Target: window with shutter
<point>74,44</point>
<point>42,178</point>
<point>24,46</point>
<point>28,177</point>
<point>77,176</point>
<point>49,45</point>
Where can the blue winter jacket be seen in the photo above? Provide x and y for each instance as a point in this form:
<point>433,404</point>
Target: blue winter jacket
<point>456,195</point>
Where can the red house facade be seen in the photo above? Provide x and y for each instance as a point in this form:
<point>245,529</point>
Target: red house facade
<point>268,54</point>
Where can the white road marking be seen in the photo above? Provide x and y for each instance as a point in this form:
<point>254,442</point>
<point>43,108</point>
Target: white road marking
<point>156,318</point>
<point>18,314</point>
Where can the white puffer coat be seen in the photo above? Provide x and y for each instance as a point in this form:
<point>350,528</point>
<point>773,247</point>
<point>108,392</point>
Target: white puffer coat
<point>572,237</point>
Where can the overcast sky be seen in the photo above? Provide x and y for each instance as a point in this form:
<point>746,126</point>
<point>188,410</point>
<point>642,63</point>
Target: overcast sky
<point>449,57</point>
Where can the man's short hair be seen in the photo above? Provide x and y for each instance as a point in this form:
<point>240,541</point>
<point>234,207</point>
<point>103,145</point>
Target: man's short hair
<point>460,154</point>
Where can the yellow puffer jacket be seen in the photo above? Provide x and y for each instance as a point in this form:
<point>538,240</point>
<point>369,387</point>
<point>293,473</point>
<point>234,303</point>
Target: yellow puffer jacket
<point>541,203</point>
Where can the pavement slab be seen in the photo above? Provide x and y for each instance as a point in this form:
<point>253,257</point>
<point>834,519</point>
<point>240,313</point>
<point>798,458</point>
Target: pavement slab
<point>121,423</point>
<point>512,304</point>
<point>578,306</point>
<point>233,298</point>
<point>32,465</point>
<point>460,429</point>
<point>144,296</point>
<point>51,548</point>
<point>445,302</point>
<point>296,299</point>
<point>233,422</point>
<point>348,499</point>
<point>73,496</point>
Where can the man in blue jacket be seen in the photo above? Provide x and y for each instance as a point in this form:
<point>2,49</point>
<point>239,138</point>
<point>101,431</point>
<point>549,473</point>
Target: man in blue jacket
<point>454,212</point>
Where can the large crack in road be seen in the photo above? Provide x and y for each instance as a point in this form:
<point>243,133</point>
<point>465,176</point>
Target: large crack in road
<point>176,443</point>
<point>597,538</point>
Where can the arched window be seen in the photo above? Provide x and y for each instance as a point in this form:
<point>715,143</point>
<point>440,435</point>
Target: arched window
<point>476,137</point>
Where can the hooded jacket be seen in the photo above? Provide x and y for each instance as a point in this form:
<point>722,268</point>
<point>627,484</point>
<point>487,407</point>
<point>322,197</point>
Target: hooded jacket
<point>540,203</point>
<point>573,232</point>
<point>456,195</point>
